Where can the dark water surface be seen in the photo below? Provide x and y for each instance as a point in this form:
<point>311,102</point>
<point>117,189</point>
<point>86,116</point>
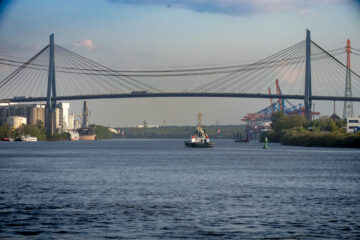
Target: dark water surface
<point>158,189</point>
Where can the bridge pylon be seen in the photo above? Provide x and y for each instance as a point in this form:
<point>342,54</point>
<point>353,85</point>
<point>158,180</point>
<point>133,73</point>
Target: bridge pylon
<point>308,94</point>
<point>50,121</point>
<point>348,105</point>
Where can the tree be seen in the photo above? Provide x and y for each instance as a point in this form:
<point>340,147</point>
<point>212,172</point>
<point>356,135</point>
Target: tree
<point>281,123</point>
<point>4,130</point>
<point>103,132</point>
<point>33,131</point>
<point>332,126</point>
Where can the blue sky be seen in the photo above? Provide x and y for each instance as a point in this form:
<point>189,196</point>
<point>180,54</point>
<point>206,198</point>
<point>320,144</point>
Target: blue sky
<point>161,33</point>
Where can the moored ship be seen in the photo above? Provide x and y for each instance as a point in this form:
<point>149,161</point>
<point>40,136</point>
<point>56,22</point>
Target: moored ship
<point>88,137</point>
<point>74,136</point>
<point>199,138</point>
<point>26,138</point>
<point>87,134</point>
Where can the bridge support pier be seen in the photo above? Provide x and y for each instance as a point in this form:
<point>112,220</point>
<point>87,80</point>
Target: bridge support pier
<point>50,123</point>
<point>50,120</point>
<point>308,95</point>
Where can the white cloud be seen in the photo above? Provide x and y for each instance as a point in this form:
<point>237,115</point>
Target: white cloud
<point>85,44</point>
<point>302,6</point>
<point>308,12</point>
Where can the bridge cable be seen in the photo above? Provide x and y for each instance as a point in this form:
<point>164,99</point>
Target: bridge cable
<point>75,58</point>
<point>264,72</point>
<point>110,70</point>
<point>92,78</point>
<point>248,74</point>
<point>262,61</point>
<point>12,75</point>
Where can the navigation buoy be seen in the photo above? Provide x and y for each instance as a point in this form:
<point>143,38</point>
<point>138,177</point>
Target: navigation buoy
<point>266,143</point>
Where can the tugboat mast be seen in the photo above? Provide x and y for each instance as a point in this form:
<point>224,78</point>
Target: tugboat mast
<point>199,120</point>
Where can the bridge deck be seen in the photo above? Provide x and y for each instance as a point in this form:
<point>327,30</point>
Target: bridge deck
<point>183,94</point>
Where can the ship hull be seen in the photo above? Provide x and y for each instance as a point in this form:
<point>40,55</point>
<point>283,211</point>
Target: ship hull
<point>26,139</point>
<point>199,144</point>
<point>74,136</point>
<point>87,137</point>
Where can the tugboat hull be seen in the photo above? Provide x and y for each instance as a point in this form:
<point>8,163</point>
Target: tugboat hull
<point>199,144</point>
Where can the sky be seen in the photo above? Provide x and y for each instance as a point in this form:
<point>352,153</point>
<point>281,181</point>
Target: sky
<point>156,34</point>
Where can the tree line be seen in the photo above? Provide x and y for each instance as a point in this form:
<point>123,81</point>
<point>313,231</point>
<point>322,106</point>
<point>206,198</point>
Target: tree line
<point>182,132</point>
<point>25,129</point>
<point>323,132</point>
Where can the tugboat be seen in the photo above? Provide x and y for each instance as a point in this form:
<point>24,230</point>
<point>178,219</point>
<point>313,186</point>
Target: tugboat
<point>199,137</point>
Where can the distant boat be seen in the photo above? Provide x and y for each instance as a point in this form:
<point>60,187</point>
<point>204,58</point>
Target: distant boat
<point>26,138</point>
<point>240,139</point>
<point>8,139</point>
<point>199,138</point>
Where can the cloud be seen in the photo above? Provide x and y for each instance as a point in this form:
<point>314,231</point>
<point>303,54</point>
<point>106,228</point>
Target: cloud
<point>308,12</point>
<point>238,7</point>
<point>85,44</point>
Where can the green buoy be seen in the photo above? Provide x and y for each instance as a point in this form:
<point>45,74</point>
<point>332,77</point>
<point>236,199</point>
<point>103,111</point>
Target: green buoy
<point>266,143</point>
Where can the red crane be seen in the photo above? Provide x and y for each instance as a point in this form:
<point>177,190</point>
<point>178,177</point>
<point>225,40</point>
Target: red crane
<point>271,102</point>
<point>278,91</point>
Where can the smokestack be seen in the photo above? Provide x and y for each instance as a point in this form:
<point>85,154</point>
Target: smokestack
<point>85,122</point>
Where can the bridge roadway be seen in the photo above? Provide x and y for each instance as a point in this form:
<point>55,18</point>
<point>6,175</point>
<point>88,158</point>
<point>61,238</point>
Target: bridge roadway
<point>182,94</point>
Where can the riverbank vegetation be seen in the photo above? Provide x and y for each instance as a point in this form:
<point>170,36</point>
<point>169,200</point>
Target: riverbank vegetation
<point>32,130</point>
<point>102,132</point>
<point>40,132</point>
<point>323,132</point>
<point>183,132</point>
<point>59,137</point>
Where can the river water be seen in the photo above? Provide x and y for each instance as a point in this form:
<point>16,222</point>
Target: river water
<point>158,189</point>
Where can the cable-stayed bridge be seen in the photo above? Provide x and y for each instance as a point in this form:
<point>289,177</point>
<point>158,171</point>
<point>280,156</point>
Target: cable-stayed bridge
<point>305,70</point>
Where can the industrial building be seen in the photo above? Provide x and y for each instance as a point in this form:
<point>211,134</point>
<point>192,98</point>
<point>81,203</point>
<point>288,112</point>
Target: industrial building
<point>15,121</point>
<point>74,122</point>
<point>71,119</point>
<point>146,125</point>
<point>352,124</point>
<point>62,116</point>
<point>77,124</point>
<point>34,113</point>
